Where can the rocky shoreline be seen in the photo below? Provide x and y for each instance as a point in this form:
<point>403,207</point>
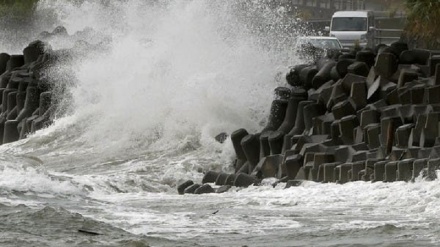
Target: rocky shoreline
<point>369,115</point>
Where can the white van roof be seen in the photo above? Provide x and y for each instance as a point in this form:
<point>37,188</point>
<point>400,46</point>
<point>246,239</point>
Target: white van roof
<point>351,14</point>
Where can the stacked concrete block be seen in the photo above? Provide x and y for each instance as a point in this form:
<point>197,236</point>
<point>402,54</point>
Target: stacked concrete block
<point>369,116</point>
<point>23,110</point>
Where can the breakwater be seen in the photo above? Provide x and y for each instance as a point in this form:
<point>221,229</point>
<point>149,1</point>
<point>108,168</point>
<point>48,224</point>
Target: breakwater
<point>25,94</point>
<point>29,96</point>
<point>370,115</point>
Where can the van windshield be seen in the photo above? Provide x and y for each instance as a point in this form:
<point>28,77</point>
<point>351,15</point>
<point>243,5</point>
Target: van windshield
<point>349,24</point>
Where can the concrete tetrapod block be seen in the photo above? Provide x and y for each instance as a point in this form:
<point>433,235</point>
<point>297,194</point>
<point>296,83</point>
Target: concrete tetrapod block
<point>191,189</point>
<point>303,173</point>
<point>316,172</point>
<point>344,153</point>
<point>299,121</point>
<point>344,171</point>
<point>10,132</point>
<point>329,175</point>
<point>181,188</point>
<point>5,98</point>
<point>292,77</point>
<point>418,166</point>
<point>335,131</point>
<point>346,127</point>
<point>425,152</point>
<point>368,171</point>
<point>407,113</point>
<point>264,144</point>
<point>386,87</point>
<point>15,61</point>
<point>31,103</point>
<point>342,66</point>
<point>390,174</point>
<point>388,127</point>
<point>356,167</point>
<point>368,57</point>
<point>236,138</point>
<point>251,149</point>
<point>326,94</point>
<point>306,76</point>
<point>399,47</point>
<point>392,98</point>
<point>348,81</point>
<point>34,50</point>
<point>358,68</point>
<point>405,96</point>
<point>391,111</point>
<point>277,113</point>
<point>433,61</point>
<point>386,65</point>
<point>437,75</point>
<point>210,177</point>
<point>358,134</point>
<point>379,171</point>
<point>416,133</point>
<point>323,74</point>
<point>415,56</point>
<point>293,183</point>
<point>297,95</point>
<point>432,94</point>
<point>430,131</point>
<point>221,179</point>
<point>334,75</point>
<point>230,180</point>
<point>287,143</point>
<point>244,180</point>
<point>223,189</point>
<point>343,108</point>
<point>433,165</point>
<point>204,189</point>
<point>369,117</point>
<point>275,140</point>
<point>417,94</point>
<point>238,164</point>
<point>245,167</point>
<point>326,122</point>
<point>407,75</point>
<point>311,111</point>
<point>402,135</point>
<point>282,93</point>
<point>397,154</point>
<point>292,164</point>
<point>268,166</point>
<point>4,58</point>
<point>338,95</point>
<point>12,102</point>
<point>404,170</point>
<point>358,94</point>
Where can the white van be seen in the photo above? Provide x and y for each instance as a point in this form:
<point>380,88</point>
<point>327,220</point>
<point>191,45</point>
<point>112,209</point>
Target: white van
<point>352,27</point>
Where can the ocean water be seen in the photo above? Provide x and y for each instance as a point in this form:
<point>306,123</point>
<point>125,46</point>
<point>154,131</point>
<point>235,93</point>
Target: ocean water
<point>139,116</point>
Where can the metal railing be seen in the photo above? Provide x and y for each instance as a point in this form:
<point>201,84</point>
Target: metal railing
<point>387,36</point>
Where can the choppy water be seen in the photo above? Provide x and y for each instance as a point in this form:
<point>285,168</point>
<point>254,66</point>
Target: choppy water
<point>141,118</point>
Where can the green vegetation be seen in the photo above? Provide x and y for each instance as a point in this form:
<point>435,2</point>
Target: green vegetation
<point>17,8</point>
<point>424,21</point>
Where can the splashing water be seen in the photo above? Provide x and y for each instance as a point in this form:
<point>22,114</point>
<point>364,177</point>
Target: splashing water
<point>140,114</point>
<point>176,73</point>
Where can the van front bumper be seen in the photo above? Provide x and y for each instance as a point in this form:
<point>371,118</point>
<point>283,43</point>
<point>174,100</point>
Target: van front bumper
<point>351,44</point>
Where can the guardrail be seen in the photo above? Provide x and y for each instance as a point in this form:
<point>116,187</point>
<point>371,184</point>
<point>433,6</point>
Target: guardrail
<point>379,37</point>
